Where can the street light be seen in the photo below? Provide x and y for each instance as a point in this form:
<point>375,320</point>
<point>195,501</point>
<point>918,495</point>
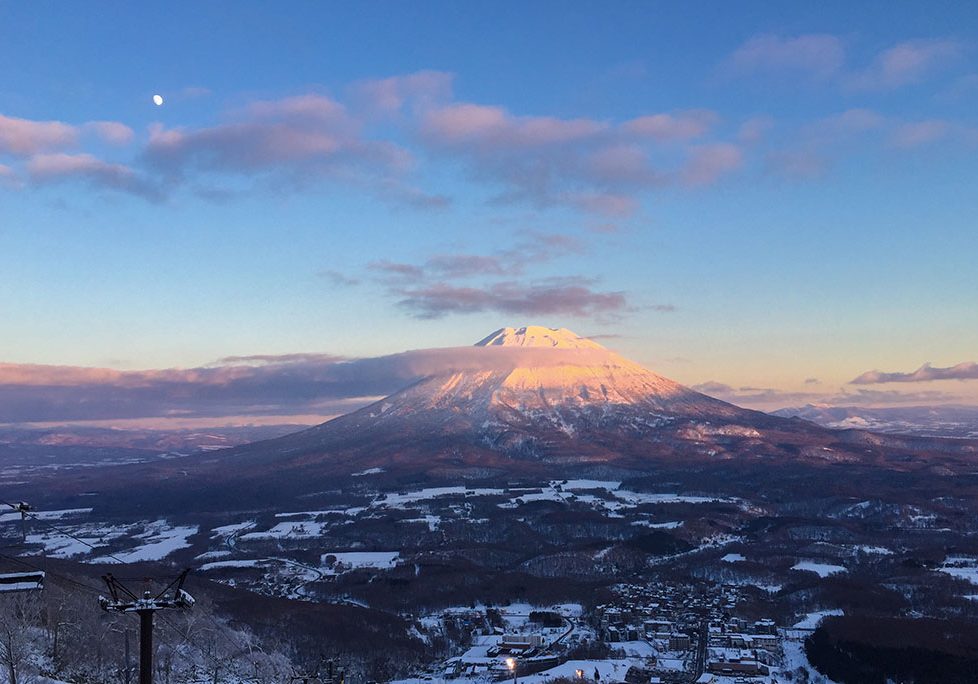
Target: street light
<point>512,665</point>
<point>580,673</point>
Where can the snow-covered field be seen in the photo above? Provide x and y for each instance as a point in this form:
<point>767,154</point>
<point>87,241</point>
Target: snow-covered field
<point>46,515</point>
<point>158,542</point>
<point>820,569</point>
<point>961,567</point>
<point>294,529</point>
<point>812,620</point>
<point>153,541</point>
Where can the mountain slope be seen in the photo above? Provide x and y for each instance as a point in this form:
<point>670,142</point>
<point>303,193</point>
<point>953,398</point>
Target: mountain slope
<point>542,396</point>
<point>531,405</point>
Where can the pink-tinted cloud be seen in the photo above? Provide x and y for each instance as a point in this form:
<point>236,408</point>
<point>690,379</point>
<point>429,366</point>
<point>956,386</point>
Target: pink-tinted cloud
<point>314,110</point>
<point>850,121</point>
<point>293,143</point>
<point>819,143</point>
<point>817,56</point>
<point>387,96</point>
<point>23,137</point>
<point>623,164</point>
<point>532,248</point>
<point>467,265</point>
<point>796,164</point>
<point>769,398</point>
<point>604,203</point>
<point>112,132</point>
<point>708,163</point>
<point>245,386</point>
<point>45,169</point>
<point>8,176</point>
<point>573,297</point>
<point>926,373</point>
<point>461,283</point>
<point>481,125</point>
<point>754,129</point>
<point>591,165</point>
<point>905,64</point>
<point>918,133</point>
<point>678,126</point>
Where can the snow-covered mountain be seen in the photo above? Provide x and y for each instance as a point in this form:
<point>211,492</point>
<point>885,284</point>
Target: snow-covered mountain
<point>526,404</point>
<point>547,371</point>
<point>524,397</point>
<point>924,421</point>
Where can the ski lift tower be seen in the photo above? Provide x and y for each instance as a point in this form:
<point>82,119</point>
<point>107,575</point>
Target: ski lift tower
<point>125,601</point>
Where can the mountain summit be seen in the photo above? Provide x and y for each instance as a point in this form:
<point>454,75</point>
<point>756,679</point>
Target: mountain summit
<point>537,336</point>
<point>536,373</point>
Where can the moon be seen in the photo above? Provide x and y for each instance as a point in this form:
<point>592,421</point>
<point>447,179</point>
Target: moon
<point>158,100</point>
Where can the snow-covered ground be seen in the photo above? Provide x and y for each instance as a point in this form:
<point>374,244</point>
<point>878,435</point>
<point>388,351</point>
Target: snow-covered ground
<point>733,558</point>
<point>962,567</point>
<point>294,529</point>
<point>159,541</point>
<point>400,500</point>
<point>153,541</point>
<point>369,471</point>
<point>820,569</point>
<point>241,563</point>
<point>350,560</point>
<point>812,620</point>
<point>45,515</point>
<point>668,525</point>
<point>873,550</point>
<point>228,530</point>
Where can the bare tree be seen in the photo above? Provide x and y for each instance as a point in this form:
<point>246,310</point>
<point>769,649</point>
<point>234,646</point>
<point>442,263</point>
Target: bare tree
<point>20,614</point>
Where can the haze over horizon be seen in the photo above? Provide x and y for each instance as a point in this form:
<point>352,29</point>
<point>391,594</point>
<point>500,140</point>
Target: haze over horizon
<point>784,214</point>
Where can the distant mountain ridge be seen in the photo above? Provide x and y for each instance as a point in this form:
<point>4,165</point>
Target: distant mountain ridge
<point>924,421</point>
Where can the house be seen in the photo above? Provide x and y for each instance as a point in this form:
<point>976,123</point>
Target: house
<point>679,642</point>
<point>731,668</point>
<point>520,642</point>
<point>638,675</point>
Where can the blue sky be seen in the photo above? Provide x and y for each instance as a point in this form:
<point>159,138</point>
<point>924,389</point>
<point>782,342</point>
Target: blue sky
<point>753,194</point>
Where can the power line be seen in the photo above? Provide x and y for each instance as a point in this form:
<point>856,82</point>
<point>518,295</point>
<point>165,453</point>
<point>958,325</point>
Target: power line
<point>64,578</point>
<point>221,629</point>
<point>57,529</point>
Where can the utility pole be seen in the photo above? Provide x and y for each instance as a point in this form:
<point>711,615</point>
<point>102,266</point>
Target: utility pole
<point>125,601</point>
<point>23,508</point>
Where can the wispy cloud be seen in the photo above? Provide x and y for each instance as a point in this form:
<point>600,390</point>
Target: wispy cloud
<point>825,58</point>
<point>244,386</point>
<point>708,163</point>
<point>906,63</point>
<point>44,169</point>
<point>112,132</point>
<point>295,142</point>
<point>918,133</point>
<point>338,278</point>
<point>24,137</point>
<point>8,176</point>
<point>816,55</point>
<point>926,373</point>
<point>389,96</point>
<point>573,297</point>
<point>767,398</point>
<point>823,142</point>
<point>592,165</point>
<point>462,283</point>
